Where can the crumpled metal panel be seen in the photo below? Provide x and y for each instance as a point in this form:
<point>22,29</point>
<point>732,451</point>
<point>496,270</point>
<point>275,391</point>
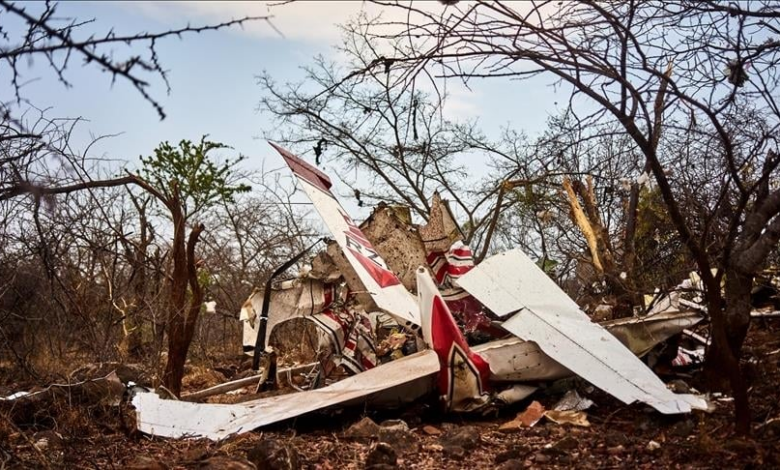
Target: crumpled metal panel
<point>515,360</point>
<point>398,381</point>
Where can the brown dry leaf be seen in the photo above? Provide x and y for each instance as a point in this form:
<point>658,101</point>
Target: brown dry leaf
<point>510,426</point>
<point>431,430</point>
<point>531,415</point>
<point>527,418</point>
<point>575,418</point>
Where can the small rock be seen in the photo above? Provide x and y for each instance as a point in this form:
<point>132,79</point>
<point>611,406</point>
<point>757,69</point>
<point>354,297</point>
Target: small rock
<point>541,458</point>
<point>454,451</point>
<point>652,446</point>
<point>511,465</point>
<point>381,454</point>
<point>225,463</point>
<point>563,446</point>
<point>433,448</point>
<point>395,425</point>
<point>146,463</point>
<point>515,453</point>
<point>431,430</point>
<point>466,437</point>
<point>398,436</point>
<point>617,450</point>
<point>449,427</point>
<point>366,428</point>
<point>679,386</point>
<point>413,416</point>
<point>274,455</point>
<point>683,428</point>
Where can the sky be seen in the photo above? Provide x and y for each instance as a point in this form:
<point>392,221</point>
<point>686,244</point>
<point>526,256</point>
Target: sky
<point>213,84</point>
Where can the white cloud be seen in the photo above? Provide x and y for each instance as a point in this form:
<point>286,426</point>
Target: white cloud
<point>311,21</point>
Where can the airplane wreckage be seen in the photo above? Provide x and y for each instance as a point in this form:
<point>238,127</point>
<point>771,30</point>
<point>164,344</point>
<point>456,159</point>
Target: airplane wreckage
<point>353,308</point>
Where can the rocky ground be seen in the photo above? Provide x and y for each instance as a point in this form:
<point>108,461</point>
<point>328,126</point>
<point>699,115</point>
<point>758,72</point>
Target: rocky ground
<point>619,436</point>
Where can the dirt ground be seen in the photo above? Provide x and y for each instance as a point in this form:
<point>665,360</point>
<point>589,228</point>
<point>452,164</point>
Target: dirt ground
<point>620,436</point>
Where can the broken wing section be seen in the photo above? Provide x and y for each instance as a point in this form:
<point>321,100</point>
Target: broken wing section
<point>398,381</point>
<point>384,286</point>
<point>594,354</point>
<point>547,316</point>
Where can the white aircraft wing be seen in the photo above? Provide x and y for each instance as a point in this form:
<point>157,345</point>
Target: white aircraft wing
<point>399,381</point>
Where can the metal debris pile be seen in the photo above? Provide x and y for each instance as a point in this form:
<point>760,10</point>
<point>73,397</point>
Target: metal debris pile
<point>389,312</point>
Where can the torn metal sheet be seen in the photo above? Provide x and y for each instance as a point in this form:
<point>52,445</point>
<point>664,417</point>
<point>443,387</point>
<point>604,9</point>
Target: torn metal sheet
<point>398,381</point>
<point>383,285</point>
<point>551,319</point>
<point>591,352</point>
<point>572,401</point>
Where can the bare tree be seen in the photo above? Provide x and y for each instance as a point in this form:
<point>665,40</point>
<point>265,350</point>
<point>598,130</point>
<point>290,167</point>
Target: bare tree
<point>650,67</point>
<point>36,30</point>
<point>389,145</point>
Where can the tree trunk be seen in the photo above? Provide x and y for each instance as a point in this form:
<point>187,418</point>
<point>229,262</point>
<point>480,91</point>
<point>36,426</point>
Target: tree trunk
<point>722,358</point>
<point>738,305</point>
<point>736,320</point>
<point>181,319</point>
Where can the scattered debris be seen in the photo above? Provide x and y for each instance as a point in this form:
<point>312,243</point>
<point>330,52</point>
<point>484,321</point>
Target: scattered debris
<point>528,418</point>
<point>355,306</point>
<point>572,401</point>
<point>511,282</point>
<point>574,418</point>
<point>688,357</point>
<point>366,428</point>
<point>106,390</point>
<point>652,446</point>
<point>457,442</point>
